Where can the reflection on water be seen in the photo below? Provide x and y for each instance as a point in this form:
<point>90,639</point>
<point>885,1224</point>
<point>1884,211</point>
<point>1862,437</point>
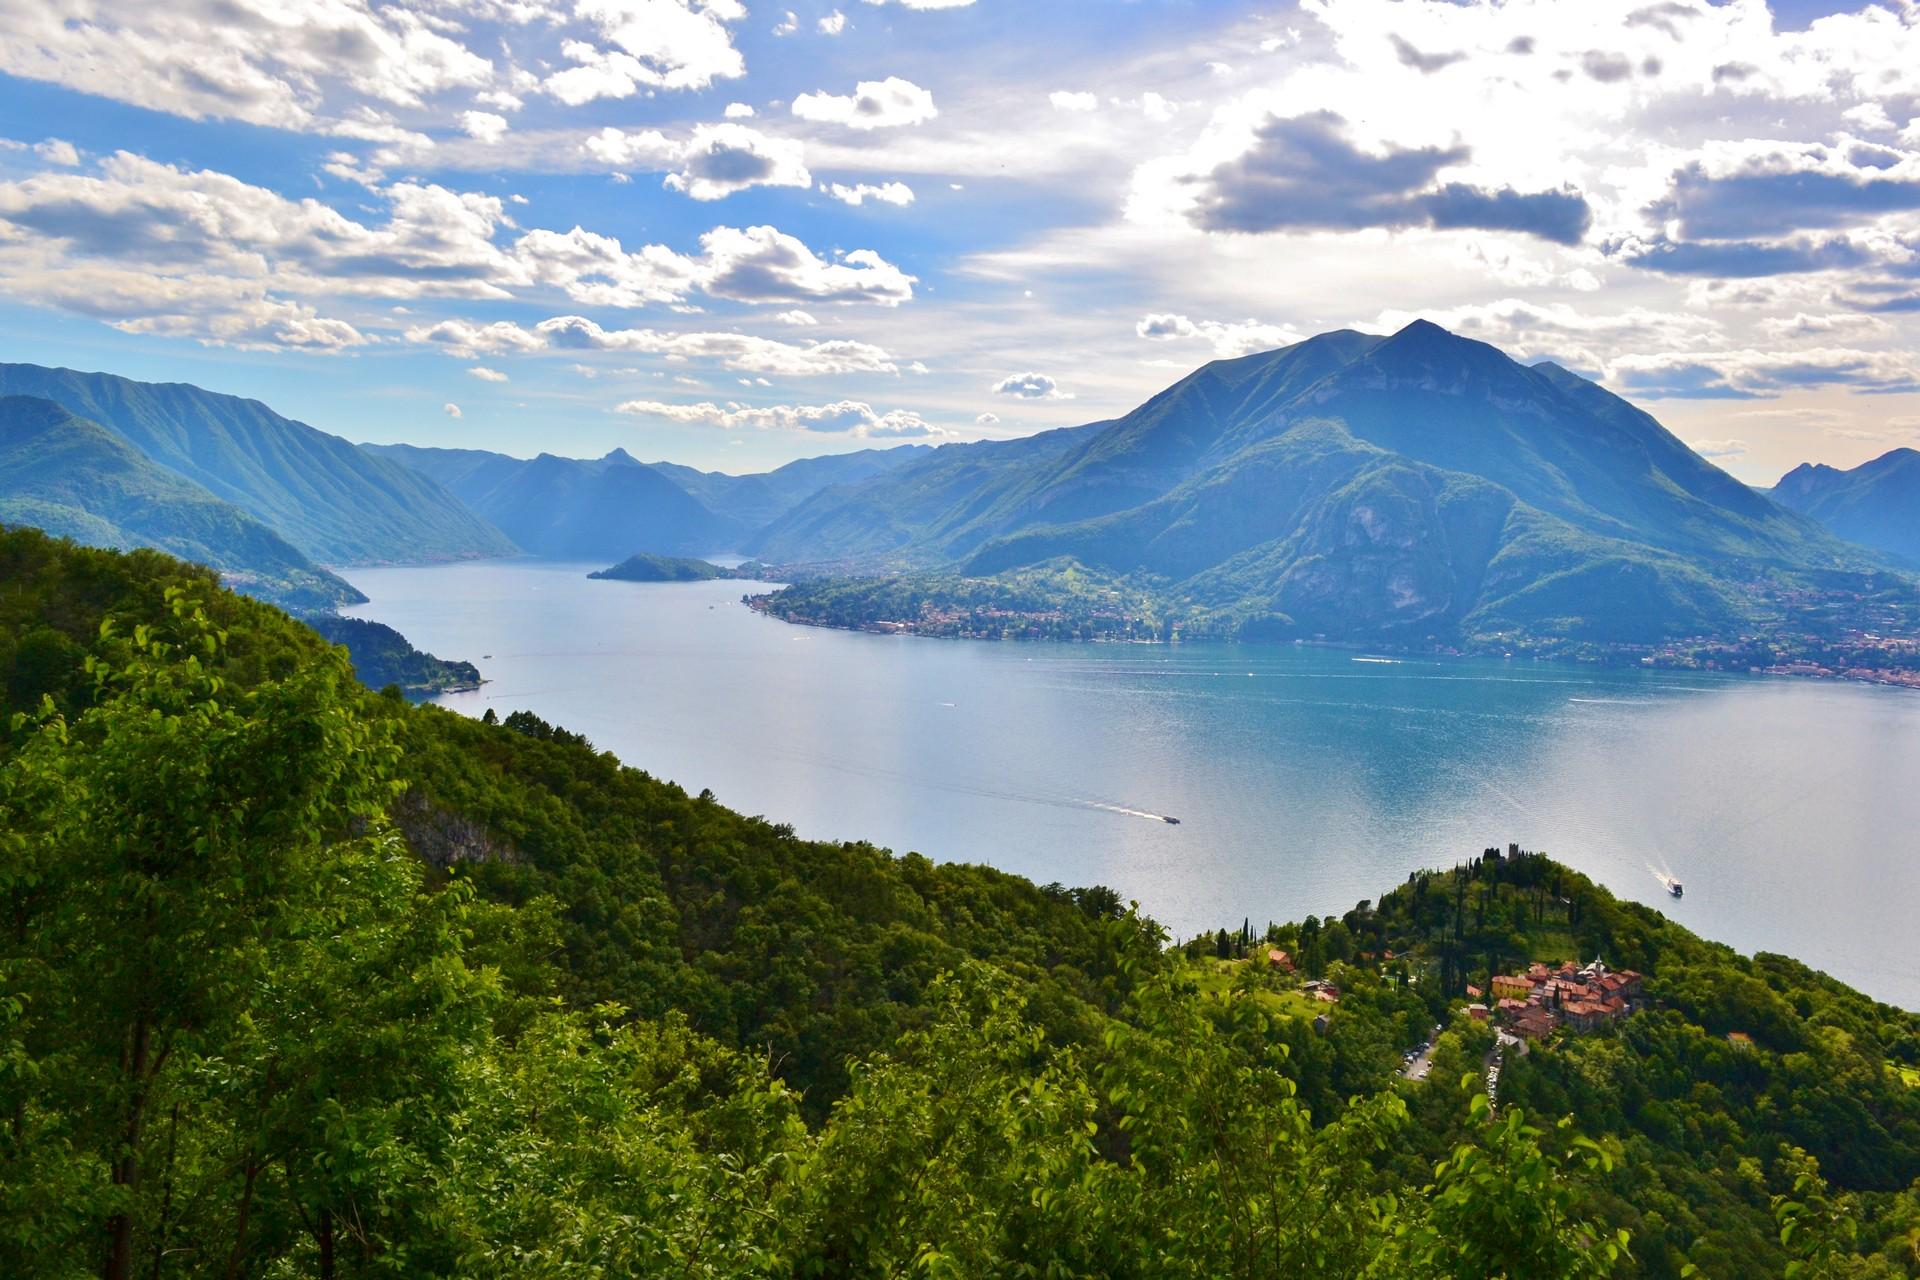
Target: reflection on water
<point>1303,779</point>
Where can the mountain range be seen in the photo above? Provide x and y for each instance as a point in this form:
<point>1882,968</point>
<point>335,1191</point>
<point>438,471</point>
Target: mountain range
<point>267,500</point>
<point>336,503</point>
<point>1421,485</point>
<point>614,506</point>
<point>1415,487</point>
<point>76,479</point>
<point>1876,504</point>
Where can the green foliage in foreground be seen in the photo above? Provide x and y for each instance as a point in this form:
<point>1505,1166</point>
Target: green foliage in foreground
<point>587,1025</point>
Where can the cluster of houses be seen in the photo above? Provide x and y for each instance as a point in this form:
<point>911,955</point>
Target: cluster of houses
<point>1533,1003</point>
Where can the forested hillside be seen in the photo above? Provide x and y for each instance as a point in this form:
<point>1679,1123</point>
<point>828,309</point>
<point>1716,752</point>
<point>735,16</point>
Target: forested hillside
<point>1418,489</point>
<point>1876,504</point>
<point>76,479</point>
<point>319,492</point>
<point>302,980</point>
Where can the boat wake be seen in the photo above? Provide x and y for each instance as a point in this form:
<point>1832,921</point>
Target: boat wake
<point>1122,809</point>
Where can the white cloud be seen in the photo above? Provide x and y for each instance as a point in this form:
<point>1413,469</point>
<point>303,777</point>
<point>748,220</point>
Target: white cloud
<point>1070,100</point>
<point>57,151</point>
<point>466,340</point>
<point>156,249</point>
<point>484,125</point>
<point>843,417</point>
<point>925,4</point>
<point>894,193</point>
<point>874,104</point>
<point>761,264</point>
<point>264,63</point>
<point>649,44</point>
<point>1030,386</point>
<point>1227,338</point>
<point>737,351</point>
<point>451,409</point>
<point>986,420</point>
<point>713,162</point>
<point>755,264</point>
<point>487,375</point>
<point>833,24</point>
<point>1749,374</point>
<point>738,111</point>
<point>1719,448</point>
<point>800,318</point>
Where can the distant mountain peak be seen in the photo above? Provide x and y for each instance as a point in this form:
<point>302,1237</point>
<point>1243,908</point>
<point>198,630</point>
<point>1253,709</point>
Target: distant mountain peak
<point>620,456</point>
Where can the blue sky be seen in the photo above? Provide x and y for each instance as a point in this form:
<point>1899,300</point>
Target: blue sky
<point>731,233</point>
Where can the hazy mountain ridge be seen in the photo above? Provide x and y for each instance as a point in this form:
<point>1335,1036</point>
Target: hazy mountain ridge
<point>615,506</point>
<point>75,478</point>
<point>336,503</point>
<point>1420,485</point>
<point>1876,504</point>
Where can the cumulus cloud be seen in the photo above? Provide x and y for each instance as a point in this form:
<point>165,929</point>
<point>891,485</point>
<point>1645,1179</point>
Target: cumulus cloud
<point>1771,189</point>
<point>1743,259</point>
<point>762,264</point>
<point>800,318</point>
<point>737,351</point>
<point>57,151</point>
<point>740,352</point>
<point>487,375</point>
<point>1072,100</point>
<point>1030,386</point>
<point>894,193</point>
<point>484,125</point>
<point>843,417</point>
<point>263,63</point>
<point>451,409</point>
<point>738,111</point>
<point>874,104</point>
<point>833,24</point>
<point>1719,448</point>
<point>154,248</point>
<point>925,4</point>
<point>713,162</point>
<point>1308,173</point>
<point>755,264</point>
<point>649,44</point>
<point>986,420</point>
<point>1226,338</point>
<point>465,339</point>
<point>1753,374</point>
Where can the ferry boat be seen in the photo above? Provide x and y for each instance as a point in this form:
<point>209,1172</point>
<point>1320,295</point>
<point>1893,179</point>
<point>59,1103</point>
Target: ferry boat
<point>1673,887</point>
<point>1172,822</point>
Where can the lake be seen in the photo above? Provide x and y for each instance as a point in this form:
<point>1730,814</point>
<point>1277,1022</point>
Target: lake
<point>1304,779</point>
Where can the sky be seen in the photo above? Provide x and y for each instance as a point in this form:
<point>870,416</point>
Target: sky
<point>730,233</point>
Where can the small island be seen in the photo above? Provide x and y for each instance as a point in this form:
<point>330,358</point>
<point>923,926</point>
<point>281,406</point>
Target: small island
<point>646,567</point>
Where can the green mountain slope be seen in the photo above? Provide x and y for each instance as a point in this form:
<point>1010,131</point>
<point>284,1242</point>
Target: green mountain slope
<point>76,479</point>
<point>334,502</point>
<point>1876,504</point>
<point>1421,486</point>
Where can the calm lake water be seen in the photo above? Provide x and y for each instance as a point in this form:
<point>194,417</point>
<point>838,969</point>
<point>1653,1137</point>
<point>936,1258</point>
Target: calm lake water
<point>1304,779</point>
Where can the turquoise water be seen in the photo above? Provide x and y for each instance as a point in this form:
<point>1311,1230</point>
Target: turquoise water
<point>1304,779</point>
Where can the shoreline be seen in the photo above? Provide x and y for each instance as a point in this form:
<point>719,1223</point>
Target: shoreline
<point>1889,679</point>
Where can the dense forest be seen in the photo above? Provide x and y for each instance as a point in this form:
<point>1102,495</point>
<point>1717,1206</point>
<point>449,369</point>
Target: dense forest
<point>298,979</point>
<point>382,656</point>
